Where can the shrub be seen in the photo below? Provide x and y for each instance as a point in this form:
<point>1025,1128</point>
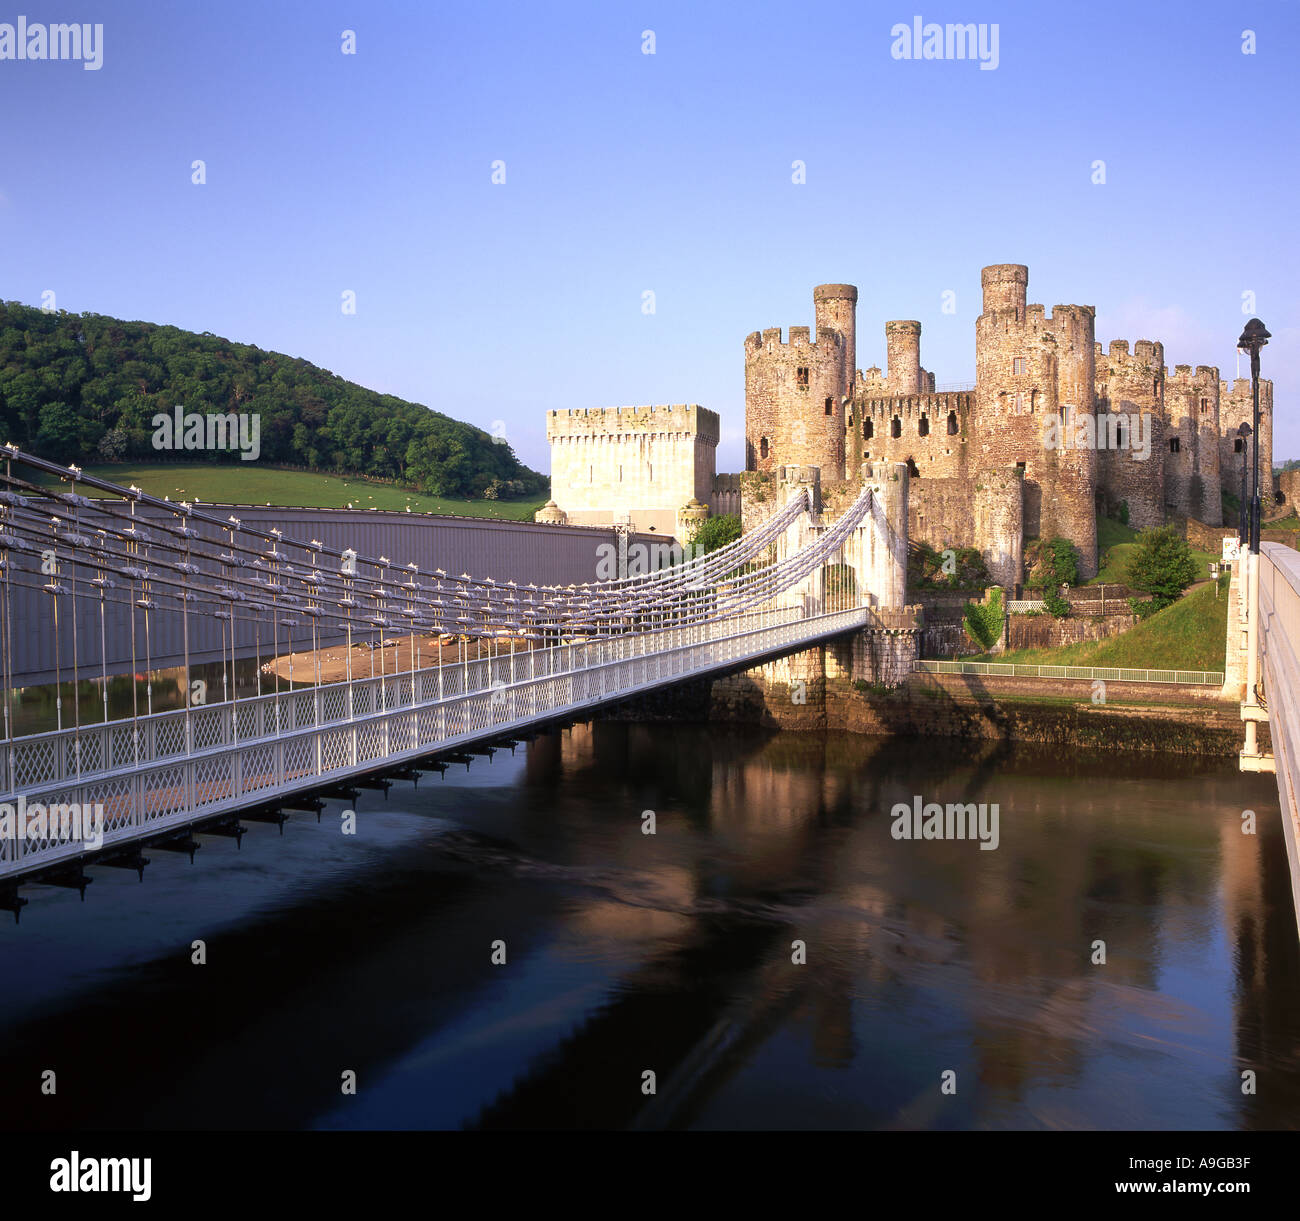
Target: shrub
<point>1056,605</point>
<point>984,620</point>
<point>1053,562</point>
<point>1162,565</point>
<point>1142,608</point>
<point>963,568</point>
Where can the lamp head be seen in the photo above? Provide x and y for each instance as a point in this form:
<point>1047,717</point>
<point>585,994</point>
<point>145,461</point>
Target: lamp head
<point>1254,336</point>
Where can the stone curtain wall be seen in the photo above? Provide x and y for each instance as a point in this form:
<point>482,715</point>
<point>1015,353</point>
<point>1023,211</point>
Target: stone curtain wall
<point>1044,631</point>
<point>1288,484</point>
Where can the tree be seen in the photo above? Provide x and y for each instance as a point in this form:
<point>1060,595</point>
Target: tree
<point>715,532</point>
<point>1162,565</point>
<point>113,444</point>
<point>59,432</point>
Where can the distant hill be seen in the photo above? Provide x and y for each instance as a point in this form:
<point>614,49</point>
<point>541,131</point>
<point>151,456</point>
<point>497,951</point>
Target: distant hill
<point>85,388</point>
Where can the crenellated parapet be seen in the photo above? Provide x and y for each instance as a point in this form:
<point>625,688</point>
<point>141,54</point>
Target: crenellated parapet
<point>676,420</point>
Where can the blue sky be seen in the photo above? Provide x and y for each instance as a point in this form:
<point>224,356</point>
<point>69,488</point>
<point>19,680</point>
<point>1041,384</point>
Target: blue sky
<point>668,173</point>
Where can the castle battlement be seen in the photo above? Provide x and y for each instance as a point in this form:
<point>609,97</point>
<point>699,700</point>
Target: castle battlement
<point>666,419</point>
<point>1241,386</point>
<point>770,340</point>
<point>1147,357</point>
<point>1036,320</point>
<point>1183,375</point>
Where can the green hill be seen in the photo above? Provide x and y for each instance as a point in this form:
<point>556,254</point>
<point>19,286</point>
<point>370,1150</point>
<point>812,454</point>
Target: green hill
<point>86,388</point>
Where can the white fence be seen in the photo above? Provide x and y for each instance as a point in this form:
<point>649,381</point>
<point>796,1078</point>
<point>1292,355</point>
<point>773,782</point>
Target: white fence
<point>1110,674</point>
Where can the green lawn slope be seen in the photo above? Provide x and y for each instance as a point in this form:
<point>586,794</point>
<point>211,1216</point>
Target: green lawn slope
<point>1189,635</point>
<point>255,484</point>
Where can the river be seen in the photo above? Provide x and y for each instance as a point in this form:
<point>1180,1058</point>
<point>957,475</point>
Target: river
<point>678,953</point>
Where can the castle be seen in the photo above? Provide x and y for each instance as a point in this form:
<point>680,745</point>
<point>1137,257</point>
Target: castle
<point>1053,430</point>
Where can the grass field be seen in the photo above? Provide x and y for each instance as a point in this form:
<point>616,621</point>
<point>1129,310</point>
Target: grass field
<point>1189,635</point>
<point>248,483</point>
<point>1116,544</point>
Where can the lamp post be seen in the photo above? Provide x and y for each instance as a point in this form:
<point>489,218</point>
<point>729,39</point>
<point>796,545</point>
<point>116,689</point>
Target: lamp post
<point>1243,530</point>
<point>1253,338</point>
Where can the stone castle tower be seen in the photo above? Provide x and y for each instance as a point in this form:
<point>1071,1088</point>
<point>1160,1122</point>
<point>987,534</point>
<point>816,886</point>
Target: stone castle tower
<point>648,467</point>
<point>1052,431</point>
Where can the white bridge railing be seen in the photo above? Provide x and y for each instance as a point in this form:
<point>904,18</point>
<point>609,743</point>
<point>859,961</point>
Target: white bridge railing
<point>1279,650</point>
<point>173,769</point>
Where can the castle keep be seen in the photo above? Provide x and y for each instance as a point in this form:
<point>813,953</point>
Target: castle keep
<point>1053,431</point>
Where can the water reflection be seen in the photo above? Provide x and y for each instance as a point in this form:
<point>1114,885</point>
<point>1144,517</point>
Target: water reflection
<point>672,952</point>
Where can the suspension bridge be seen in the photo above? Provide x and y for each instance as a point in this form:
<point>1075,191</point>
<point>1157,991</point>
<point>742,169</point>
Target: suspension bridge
<point>110,571</point>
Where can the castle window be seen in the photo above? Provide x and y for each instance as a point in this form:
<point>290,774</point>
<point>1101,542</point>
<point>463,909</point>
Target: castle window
<point>923,426</point>
<point>801,378</point>
<point>868,430</point>
<point>1020,469</point>
<point>952,423</point>
<point>1236,446</point>
<point>911,469</point>
<point>1020,404</point>
<point>1033,401</point>
<point>650,472</point>
<point>1205,406</point>
<point>1018,365</point>
<point>1174,445</point>
<point>830,407</point>
<point>896,426</point>
<point>1155,386</point>
<point>1119,434</point>
<point>762,447</point>
<point>866,453</point>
